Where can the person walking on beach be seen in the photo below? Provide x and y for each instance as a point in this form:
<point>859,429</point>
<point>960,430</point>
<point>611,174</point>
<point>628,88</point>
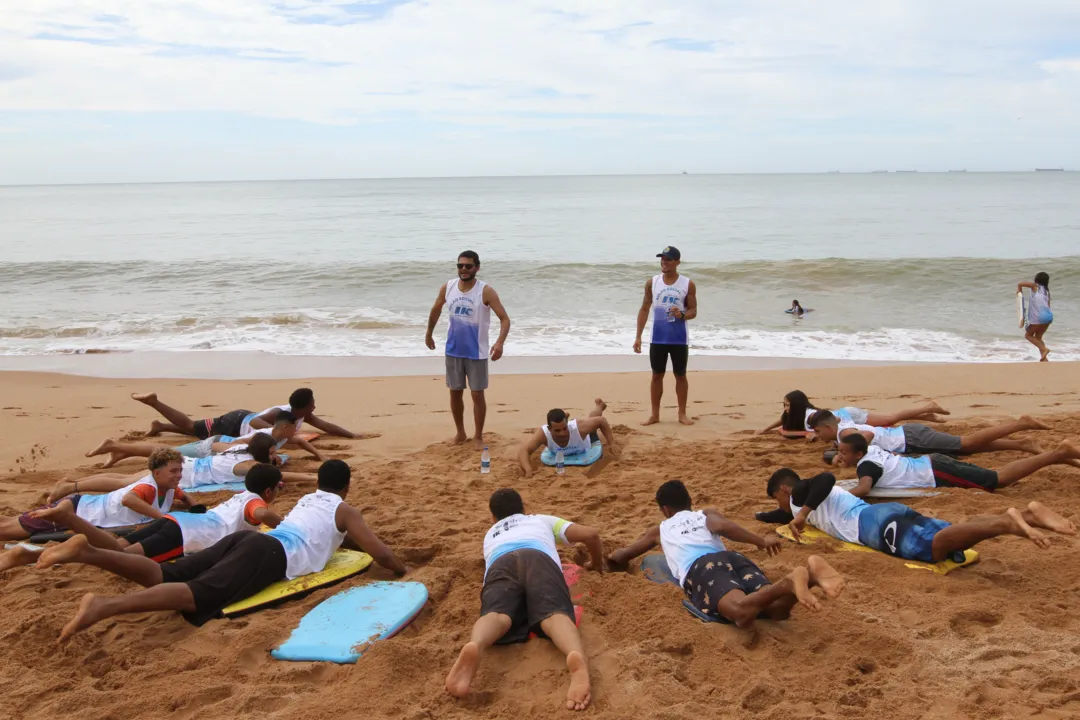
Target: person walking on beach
<point>470,303</point>
<point>672,300</point>
<point>1039,315</point>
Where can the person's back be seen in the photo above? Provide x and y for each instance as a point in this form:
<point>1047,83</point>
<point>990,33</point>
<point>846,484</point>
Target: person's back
<point>685,537</point>
<point>109,511</point>
<point>309,533</point>
<point>897,471</point>
<point>837,515</point>
<point>525,532</point>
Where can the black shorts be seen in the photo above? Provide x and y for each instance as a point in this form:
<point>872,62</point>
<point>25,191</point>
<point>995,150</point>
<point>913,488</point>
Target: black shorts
<point>713,576</point>
<point>232,569</point>
<point>227,424</point>
<point>659,353</point>
<point>161,540</point>
<point>529,587</point>
<point>950,472</point>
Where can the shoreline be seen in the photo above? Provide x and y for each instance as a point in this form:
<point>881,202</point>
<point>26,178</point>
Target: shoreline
<point>241,365</point>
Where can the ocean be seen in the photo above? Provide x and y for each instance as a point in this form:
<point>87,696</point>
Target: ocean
<point>897,266</point>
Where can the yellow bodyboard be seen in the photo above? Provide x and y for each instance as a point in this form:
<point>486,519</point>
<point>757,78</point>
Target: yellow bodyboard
<point>343,564</point>
<point>811,535</point>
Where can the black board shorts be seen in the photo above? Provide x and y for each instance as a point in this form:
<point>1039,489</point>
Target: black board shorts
<point>659,354</point>
<point>529,587</point>
<point>950,472</point>
<point>161,540</point>
<point>227,424</point>
<point>232,569</point>
<point>713,576</point>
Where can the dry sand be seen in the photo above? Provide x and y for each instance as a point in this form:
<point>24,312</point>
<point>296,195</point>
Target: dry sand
<point>999,639</point>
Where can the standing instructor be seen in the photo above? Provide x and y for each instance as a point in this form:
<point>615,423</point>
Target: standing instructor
<point>672,299</point>
<point>470,302</point>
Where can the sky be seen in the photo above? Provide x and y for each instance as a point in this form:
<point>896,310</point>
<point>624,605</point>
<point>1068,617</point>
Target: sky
<point>188,90</point>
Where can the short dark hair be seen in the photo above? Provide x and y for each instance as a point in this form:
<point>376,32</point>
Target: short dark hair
<point>673,494</point>
<point>782,477</point>
<point>162,457</point>
<point>261,478</point>
<point>259,446</point>
<point>556,415</point>
<point>821,417</point>
<point>505,502</point>
<point>857,442</point>
<point>301,398</point>
<point>334,476</point>
<point>471,255</point>
<point>285,417</point>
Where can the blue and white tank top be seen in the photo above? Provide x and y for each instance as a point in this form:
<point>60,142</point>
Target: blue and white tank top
<point>577,443</point>
<point>668,329</point>
<point>1039,312</point>
<point>310,534</point>
<point>470,319</point>
<point>685,537</point>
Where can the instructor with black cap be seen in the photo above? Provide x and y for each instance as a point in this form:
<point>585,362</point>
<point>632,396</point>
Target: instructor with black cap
<point>672,300</point>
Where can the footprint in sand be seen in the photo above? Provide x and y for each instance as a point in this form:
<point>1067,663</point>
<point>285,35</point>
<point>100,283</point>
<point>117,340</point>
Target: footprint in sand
<point>970,623</point>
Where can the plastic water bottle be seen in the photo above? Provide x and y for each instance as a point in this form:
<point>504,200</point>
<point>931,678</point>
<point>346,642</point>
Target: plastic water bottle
<point>671,315</point>
<point>560,463</point>
<point>485,461</point>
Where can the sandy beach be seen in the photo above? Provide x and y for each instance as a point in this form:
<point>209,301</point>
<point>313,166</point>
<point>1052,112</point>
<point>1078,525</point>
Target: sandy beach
<point>998,639</point>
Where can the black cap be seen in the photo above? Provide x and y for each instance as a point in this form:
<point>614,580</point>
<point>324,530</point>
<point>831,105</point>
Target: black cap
<point>670,253</point>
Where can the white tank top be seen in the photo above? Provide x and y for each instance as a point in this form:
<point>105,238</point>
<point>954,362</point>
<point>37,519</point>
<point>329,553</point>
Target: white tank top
<point>108,511</point>
<point>685,537</point>
<point>202,531</point>
<point>470,320</point>
<point>213,470</point>
<point>577,444</point>
<point>667,329</point>
<point>246,429</point>
<point>309,533</point>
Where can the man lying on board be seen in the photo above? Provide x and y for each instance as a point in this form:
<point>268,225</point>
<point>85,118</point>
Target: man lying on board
<point>175,534</point>
<point>234,568</point>
<point>894,528</point>
<point>238,423</point>
<point>525,591</point>
<point>722,583</point>
<point>879,468</point>
<point>572,436</point>
<point>144,498</point>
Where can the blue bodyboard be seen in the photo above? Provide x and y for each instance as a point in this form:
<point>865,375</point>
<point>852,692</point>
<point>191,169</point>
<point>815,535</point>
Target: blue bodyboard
<point>339,628</point>
<point>234,487</point>
<point>586,458</point>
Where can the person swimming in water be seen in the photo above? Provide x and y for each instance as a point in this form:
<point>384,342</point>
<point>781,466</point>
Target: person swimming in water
<point>797,309</point>
<point>795,421</point>
<point>1039,315</point>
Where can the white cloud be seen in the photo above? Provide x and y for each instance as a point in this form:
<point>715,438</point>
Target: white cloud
<point>630,68</point>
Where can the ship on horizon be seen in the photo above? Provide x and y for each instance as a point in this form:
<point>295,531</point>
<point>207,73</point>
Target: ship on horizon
<point>1049,169</point>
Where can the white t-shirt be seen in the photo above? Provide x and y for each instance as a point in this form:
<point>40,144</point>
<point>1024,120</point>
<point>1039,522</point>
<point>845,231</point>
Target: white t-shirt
<point>685,537</point>
<point>309,533</point>
<point>200,531</point>
<point>245,426</point>
<point>894,471</point>
<point>891,439</point>
<point>838,515</point>
<point>109,511</point>
<point>520,532</point>
<point>264,431</point>
<point>215,469</point>
<point>806,421</point>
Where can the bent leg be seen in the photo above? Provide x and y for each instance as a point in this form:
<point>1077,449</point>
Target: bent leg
<point>965,535</point>
<point>599,408</point>
<point>565,635</point>
<point>64,515</point>
<point>136,568</point>
<point>977,441</point>
<point>485,632</point>
<point>94,608</point>
<point>743,609</point>
<point>1017,470</point>
<point>879,419</point>
<point>180,422</point>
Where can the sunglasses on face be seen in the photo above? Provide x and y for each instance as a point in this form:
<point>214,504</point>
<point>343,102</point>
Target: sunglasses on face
<point>465,266</point>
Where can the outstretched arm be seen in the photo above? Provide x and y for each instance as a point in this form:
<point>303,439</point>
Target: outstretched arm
<point>295,477</point>
<point>527,449</point>
<point>433,317</point>
<point>266,420</point>
<point>720,525</point>
<point>590,538</point>
<point>645,543</point>
<point>491,299</point>
<point>309,447</point>
<point>330,429</point>
<point>773,426</point>
<point>351,521</point>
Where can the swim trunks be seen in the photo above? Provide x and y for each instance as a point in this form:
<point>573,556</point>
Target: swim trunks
<point>458,370</point>
<point>529,587</point>
<point>950,472</point>
<point>923,440</point>
<point>896,529</point>
<point>39,526</point>
<point>227,424</point>
<point>659,354</point>
<point>714,575</point>
<point>161,540</point>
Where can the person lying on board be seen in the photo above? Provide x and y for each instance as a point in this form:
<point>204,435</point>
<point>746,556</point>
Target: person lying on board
<point>722,583</point>
<point>227,467</point>
<point>238,423</point>
<point>571,436</point>
<point>879,468</point>
<point>175,534</point>
<point>141,499</point>
<point>918,439</point>
<point>236,567</point>
<point>896,529</point>
<point>795,420</point>
<point>525,591</point>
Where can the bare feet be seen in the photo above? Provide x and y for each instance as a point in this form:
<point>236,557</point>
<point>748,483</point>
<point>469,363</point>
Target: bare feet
<point>580,693</point>
<point>478,442</point>
<point>145,398</point>
<point>1022,529</point>
<point>61,489</point>
<point>18,555</point>
<point>1043,358</point>
<point>1044,517</point>
<point>464,670</point>
<point>1071,451</point>
<point>800,580</point>
<point>65,552</point>
<point>685,419</point>
<point>458,439</point>
<point>89,612</point>
<point>825,576</point>
<point>56,515</point>
<point>934,418</point>
<point>1031,446</point>
<point>1031,423</point>
<point>934,407</point>
<point>652,420</point>
<point>155,428</point>
<point>600,404</point>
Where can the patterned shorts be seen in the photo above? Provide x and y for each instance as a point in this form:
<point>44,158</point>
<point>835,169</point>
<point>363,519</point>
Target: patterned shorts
<point>713,576</point>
